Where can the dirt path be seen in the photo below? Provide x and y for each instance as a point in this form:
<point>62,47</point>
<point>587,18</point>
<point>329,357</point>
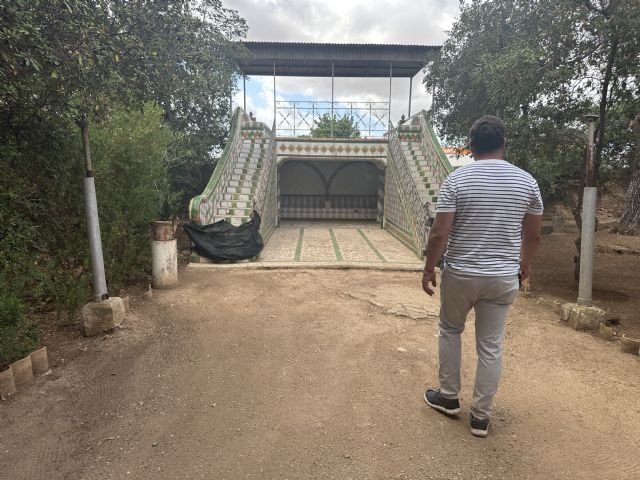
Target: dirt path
<point>616,285</point>
<point>310,375</point>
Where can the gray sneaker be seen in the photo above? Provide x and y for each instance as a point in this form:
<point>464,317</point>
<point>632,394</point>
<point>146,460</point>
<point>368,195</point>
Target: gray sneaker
<point>479,428</point>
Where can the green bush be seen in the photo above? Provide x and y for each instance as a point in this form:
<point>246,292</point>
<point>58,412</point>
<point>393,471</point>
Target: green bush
<point>18,337</point>
<point>130,162</point>
<point>43,242</point>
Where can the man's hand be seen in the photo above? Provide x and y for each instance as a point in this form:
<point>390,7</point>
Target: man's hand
<point>525,271</point>
<point>530,240</point>
<point>429,277</point>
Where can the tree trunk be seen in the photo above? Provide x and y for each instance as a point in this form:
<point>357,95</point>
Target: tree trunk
<point>630,222</point>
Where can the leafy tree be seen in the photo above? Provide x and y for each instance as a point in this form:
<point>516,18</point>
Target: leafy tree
<point>343,127</point>
<point>541,66</point>
<point>79,58</point>
<point>69,63</point>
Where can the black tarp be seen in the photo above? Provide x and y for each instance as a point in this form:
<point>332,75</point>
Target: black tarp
<point>222,241</point>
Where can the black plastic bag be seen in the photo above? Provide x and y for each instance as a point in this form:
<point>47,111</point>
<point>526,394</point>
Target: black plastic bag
<point>222,241</point>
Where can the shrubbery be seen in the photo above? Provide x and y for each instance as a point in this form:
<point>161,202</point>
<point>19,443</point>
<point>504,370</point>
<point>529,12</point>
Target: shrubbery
<point>43,242</point>
<point>18,337</point>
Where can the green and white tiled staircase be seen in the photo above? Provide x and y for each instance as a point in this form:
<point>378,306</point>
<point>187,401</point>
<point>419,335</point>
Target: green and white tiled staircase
<point>427,171</point>
<point>244,178</point>
<point>416,167</point>
<point>239,194</point>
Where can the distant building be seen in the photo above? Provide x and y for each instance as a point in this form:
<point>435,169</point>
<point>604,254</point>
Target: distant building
<point>458,156</point>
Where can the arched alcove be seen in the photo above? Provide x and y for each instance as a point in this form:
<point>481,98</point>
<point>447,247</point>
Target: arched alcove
<point>319,189</point>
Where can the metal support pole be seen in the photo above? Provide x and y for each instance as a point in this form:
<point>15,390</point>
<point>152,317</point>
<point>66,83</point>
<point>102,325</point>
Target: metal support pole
<point>410,88</point>
<point>390,77</point>
<point>244,92</point>
<point>332,117</point>
<point>93,222</point>
<point>370,118</point>
<point>274,94</point>
<point>587,235</point>
<point>294,118</point>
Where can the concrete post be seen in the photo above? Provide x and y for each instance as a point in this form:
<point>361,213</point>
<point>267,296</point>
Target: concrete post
<point>588,233</point>
<point>587,245</point>
<point>164,263</point>
<point>164,254</point>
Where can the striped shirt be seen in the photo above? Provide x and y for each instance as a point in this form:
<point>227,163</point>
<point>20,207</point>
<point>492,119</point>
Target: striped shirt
<point>490,198</point>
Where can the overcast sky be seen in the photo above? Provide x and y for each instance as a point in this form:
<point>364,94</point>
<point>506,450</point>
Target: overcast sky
<point>342,21</point>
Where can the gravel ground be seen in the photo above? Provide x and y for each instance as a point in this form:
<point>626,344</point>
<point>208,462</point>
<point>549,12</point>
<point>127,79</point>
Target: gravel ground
<point>317,375</point>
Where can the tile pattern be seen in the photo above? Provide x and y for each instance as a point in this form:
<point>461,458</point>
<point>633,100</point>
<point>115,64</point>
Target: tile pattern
<point>335,242</point>
<point>356,207</point>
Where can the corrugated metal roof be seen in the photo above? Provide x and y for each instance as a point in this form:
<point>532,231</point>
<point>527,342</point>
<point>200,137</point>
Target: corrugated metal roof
<point>348,59</point>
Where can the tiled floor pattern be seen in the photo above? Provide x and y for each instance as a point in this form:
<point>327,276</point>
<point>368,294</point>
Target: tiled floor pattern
<point>334,241</point>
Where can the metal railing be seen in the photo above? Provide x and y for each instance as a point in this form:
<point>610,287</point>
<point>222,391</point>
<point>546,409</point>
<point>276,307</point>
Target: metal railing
<point>297,118</point>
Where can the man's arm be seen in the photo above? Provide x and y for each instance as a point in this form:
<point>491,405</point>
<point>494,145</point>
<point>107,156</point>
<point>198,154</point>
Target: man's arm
<point>531,225</point>
<point>436,245</point>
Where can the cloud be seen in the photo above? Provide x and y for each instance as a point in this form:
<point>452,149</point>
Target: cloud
<point>340,21</point>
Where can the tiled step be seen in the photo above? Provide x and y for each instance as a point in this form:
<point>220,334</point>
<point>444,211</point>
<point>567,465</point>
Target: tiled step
<point>246,170</point>
<point>243,183</point>
<point>249,164</point>
<point>243,190</point>
<point>235,204</point>
<point>237,197</point>
<point>245,177</point>
<point>233,212</point>
<point>237,221</point>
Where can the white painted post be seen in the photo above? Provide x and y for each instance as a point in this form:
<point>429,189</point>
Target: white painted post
<point>164,263</point>
<point>587,236</point>
<point>586,245</point>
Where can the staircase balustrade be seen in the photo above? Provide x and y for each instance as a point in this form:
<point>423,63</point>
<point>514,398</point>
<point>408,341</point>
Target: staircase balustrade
<point>417,211</point>
<point>432,149</point>
<point>202,208</point>
<point>265,200</point>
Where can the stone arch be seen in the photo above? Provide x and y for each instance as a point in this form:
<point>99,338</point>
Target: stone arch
<point>314,168</point>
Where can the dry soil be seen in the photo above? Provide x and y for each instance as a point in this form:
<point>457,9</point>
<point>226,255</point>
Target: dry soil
<point>317,375</point>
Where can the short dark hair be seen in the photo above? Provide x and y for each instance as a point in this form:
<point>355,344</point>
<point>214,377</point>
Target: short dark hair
<point>486,134</point>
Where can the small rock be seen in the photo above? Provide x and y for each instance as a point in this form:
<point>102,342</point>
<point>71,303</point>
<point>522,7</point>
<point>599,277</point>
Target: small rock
<point>400,349</point>
<point>154,444</point>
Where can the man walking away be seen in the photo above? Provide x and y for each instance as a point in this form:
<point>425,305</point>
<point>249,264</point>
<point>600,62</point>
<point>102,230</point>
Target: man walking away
<point>488,220</point>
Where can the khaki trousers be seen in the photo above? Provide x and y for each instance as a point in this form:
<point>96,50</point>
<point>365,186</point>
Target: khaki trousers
<point>491,298</point>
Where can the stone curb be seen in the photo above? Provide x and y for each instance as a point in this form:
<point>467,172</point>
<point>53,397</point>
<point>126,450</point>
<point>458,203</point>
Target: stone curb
<point>629,345</point>
<point>398,267</point>
<point>22,371</point>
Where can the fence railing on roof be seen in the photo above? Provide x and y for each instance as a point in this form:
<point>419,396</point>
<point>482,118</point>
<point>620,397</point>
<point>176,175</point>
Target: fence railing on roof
<point>298,118</point>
